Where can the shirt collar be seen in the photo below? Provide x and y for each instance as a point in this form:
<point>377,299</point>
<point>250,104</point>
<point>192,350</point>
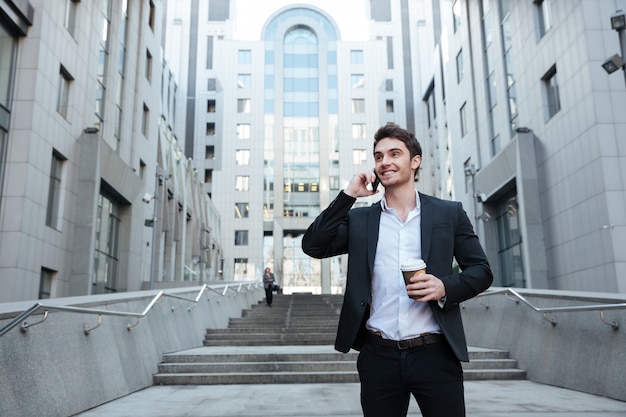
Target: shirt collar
<point>386,208</point>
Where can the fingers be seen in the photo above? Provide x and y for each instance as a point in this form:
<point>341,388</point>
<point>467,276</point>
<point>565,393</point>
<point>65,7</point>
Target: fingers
<point>360,185</point>
<point>426,288</point>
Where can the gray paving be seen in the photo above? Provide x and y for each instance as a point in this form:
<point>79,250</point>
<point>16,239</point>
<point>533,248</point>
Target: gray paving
<point>483,398</point>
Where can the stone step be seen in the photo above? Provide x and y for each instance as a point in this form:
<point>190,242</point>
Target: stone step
<point>308,377</point>
<point>273,342</point>
<point>493,374</point>
<point>262,336</point>
<point>256,378</point>
<point>292,342</point>
<point>479,358</point>
<point>255,367</point>
<point>310,366</point>
<point>262,368</point>
<point>274,329</point>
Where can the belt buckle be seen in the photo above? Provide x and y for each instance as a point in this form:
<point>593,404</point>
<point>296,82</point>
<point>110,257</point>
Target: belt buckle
<point>400,347</point>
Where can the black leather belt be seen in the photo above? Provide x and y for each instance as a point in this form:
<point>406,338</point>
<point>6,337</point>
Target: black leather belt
<point>422,340</point>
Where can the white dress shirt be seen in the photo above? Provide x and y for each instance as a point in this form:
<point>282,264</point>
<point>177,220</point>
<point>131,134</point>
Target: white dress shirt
<point>392,312</point>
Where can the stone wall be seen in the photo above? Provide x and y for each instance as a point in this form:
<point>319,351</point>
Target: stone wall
<point>55,369</point>
<point>570,349</point>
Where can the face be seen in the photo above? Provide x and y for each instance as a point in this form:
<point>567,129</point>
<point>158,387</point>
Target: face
<point>394,164</point>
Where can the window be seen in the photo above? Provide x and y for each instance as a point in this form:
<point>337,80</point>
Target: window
<point>148,66</point>
<point>243,105</point>
<point>509,242</point>
<point>491,90</point>
<point>100,95</point>
<point>244,80</point>
<point>459,66</point>
<point>210,106</point>
<point>389,52</point>
<point>245,56</point>
<point>53,216</point>
<point>142,169</point>
<point>243,131</point>
<point>358,80</point>
<point>241,268</point>
<point>45,283</point>
<point>242,183</point>
<point>544,16</point>
<point>551,88</point>
<point>358,105</point>
<point>470,171</point>
<point>218,10</point>
<point>381,10</point>
<point>211,84</point>
<point>389,106</point>
<point>358,131</point>
<point>241,210</point>
<point>65,80</point>
<point>456,15</point>
<point>106,258</point>
<point>145,120</point>
<point>429,101</point>
<point>356,56</point>
<point>8,46</point>
<point>389,84</point>
<point>208,176</point>
<point>209,152</point>
<point>463,116</point>
<point>359,156</point>
<point>71,7</point>
<point>209,52</point>
<point>241,238</point>
<point>242,156</point>
<point>151,15</point>
<point>210,129</point>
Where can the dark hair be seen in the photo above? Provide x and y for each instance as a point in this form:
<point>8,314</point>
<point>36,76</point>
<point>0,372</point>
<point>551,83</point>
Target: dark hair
<point>392,130</point>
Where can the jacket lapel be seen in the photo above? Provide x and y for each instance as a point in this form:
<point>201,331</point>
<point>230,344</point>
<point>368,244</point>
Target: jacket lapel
<point>373,221</point>
<point>426,225</point>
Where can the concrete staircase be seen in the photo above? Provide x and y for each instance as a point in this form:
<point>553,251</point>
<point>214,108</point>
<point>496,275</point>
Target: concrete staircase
<point>292,342</point>
<point>298,319</point>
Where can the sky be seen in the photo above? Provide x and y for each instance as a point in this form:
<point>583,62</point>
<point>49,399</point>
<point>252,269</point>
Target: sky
<point>349,15</point>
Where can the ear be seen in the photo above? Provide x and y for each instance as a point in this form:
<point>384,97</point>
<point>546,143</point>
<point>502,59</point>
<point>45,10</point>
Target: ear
<point>416,162</point>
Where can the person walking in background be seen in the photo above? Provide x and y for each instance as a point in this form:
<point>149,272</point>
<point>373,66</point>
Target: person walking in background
<point>410,336</point>
<point>268,283</point>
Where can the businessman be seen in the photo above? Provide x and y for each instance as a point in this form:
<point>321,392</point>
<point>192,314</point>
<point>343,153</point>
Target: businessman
<point>410,336</point>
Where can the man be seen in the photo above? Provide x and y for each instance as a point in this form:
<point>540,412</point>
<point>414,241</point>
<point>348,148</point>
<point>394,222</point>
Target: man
<point>410,336</point>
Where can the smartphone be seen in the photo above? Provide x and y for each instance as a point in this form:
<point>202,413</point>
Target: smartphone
<point>376,181</point>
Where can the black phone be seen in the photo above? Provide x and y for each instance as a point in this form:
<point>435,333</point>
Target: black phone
<point>376,181</point>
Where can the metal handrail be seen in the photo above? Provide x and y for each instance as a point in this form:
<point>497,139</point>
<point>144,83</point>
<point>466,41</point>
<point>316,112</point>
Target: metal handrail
<point>21,318</point>
<point>546,310</point>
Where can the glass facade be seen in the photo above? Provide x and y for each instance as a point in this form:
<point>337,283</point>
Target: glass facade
<point>301,98</point>
<point>8,45</point>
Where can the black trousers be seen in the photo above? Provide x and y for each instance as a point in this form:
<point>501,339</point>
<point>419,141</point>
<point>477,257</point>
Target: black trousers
<point>432,373</point>
<point>269,295</point>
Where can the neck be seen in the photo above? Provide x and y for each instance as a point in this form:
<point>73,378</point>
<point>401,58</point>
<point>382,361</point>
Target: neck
<point>401,199</point>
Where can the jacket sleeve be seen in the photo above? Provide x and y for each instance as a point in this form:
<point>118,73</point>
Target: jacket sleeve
<point>328,235</point>
<point>475,273</point>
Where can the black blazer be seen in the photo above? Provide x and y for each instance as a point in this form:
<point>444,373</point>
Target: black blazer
<point>446,234</point>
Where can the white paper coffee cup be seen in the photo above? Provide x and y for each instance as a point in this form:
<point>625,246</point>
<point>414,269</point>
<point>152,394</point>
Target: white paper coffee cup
<point>412,267</point>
